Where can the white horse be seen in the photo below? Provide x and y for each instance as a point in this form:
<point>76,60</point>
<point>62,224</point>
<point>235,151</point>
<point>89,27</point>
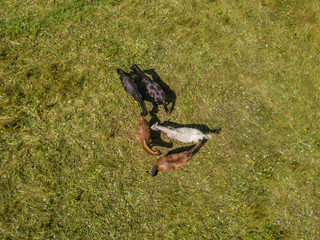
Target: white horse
<point>183,134</point>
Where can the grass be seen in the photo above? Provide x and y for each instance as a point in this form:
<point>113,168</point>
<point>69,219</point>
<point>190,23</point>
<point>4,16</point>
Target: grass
<point>71,164</point>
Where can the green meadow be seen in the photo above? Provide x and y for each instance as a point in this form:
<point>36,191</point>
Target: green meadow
<point>71,165</point>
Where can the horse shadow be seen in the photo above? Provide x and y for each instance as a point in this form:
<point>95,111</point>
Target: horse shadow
<point>186,148</point>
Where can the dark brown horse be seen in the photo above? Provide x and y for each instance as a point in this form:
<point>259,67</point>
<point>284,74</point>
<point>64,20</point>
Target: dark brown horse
<point>154,89</point>
<point>132,89</point>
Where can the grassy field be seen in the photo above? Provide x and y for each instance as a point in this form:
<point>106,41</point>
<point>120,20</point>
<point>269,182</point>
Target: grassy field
<point>71,164</point>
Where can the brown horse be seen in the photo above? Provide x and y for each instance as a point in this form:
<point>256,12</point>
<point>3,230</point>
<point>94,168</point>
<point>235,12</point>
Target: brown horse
<point>175,161</point>
<point>144,136</point>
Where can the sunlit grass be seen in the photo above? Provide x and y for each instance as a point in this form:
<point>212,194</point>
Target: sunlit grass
<point>71,164</point>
